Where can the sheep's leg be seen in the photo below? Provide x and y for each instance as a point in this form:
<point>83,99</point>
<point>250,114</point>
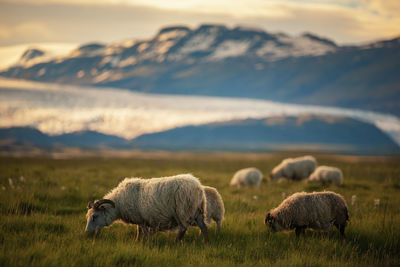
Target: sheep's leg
<point>181,233</point>
<point>219,222</point>
<point>139,234</point>
<point>341,229</point>
<point>203,227</point>
<point>146,231</point>
<point>300,230</point>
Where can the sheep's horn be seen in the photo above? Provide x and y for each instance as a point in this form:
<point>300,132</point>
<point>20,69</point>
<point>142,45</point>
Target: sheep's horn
<point>100,202</point>
<point>90,205</point>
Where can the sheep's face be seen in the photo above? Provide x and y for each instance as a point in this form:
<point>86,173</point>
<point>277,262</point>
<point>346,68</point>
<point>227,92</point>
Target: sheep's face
<point>275,176</point>
<point>273,223</point>
<point>96,220</point>
<point>98,216</point>
<point>312,179</point>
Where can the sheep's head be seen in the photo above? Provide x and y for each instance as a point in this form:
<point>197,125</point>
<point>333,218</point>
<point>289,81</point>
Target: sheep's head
<point>275,175</point>
<point>272,222</point>
<point>99,214</point>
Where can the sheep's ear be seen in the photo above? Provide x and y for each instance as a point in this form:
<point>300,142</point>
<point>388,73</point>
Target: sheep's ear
<point>90,205</point>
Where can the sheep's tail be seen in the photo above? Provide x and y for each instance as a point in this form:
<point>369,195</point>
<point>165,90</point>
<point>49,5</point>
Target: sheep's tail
<point>346,214</point>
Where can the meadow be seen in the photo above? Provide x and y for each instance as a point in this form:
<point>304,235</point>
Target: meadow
<point>43,206</point>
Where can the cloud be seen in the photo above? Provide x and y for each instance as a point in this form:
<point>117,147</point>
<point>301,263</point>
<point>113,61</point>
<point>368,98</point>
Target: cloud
<point>26,32</point>
<point>11,54</point>
<point>345,21</point>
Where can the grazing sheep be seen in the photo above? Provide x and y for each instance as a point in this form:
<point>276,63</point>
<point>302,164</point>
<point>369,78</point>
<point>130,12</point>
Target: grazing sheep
<point>215,206</point>
<point>156,204</point>
<point>318,210</point>
<point>294,168</point>
<point>247,177</point>
<point>326,175</point>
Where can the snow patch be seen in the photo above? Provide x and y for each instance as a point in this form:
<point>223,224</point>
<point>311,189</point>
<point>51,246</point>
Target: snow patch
<point>200,42</point>
<point>127,62</point>
<point>172,35</point>
<point>230,49</point>
<point>293,47</point>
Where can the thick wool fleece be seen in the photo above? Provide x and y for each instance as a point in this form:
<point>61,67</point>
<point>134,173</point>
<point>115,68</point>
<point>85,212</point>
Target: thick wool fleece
<point>215,206</point>
<point>326,175</point>
<point>294,168</point>
<point>247,177</point>
<point>160,203</point>
<point>318,210</point>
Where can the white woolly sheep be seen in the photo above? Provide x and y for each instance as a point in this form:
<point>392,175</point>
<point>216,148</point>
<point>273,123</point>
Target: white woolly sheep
<point>247,177</point>
<point>318,211</point>
<point>215,206</point>
<point>326,175</point>
<point>156,204</point>
<point>294,168</point>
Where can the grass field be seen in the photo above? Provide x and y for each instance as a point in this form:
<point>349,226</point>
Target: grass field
<point>43,206</point>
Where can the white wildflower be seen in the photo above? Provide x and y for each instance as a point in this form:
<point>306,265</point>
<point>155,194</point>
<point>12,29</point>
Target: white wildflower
<point>22,179</point>
<point>63,188</point>
<point>255,197</point>
<point>377,201</point>
<point>353,199</point>
<point>11,183</point>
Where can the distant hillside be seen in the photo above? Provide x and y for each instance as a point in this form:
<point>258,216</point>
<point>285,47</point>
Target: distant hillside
<point>275,134</point>
<point>238,62</point>
<point>304,133</point>
<point>29,137</point>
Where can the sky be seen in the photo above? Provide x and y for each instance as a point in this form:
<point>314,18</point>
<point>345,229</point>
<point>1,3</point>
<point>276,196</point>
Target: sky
<point>83,21</point>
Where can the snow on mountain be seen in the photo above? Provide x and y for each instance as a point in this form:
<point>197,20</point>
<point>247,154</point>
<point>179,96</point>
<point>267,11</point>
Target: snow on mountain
<point>288,46</point>
<point>180,42</point>
<point>89,50</point>
<point>57,109</point>
<point>230,49</point>
<point>172,33</point>
<point>200,42</point>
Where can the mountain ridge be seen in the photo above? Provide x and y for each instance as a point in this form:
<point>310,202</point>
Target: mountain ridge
<point>302,133</point>
<point>215,60</point>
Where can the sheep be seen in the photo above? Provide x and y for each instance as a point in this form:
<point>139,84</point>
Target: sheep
<point>157,204</point>
<point>294,168</point>
<point>326,175</point>
<point>247,177</point>
<point>318,211</point>
<point>215,206</point>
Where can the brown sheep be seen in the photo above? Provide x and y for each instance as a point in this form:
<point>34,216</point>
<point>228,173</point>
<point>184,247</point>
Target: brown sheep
<point>318,211</point>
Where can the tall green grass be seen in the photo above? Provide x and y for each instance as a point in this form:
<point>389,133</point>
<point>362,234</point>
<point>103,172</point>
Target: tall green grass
<point>42,215</point>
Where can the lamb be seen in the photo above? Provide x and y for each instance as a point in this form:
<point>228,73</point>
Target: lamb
<point>326,175</point>
<point>294,168</point>
<point>247,177</point>
<point>156,204</point>
<point>318,211</point>
<point>215,206</point>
